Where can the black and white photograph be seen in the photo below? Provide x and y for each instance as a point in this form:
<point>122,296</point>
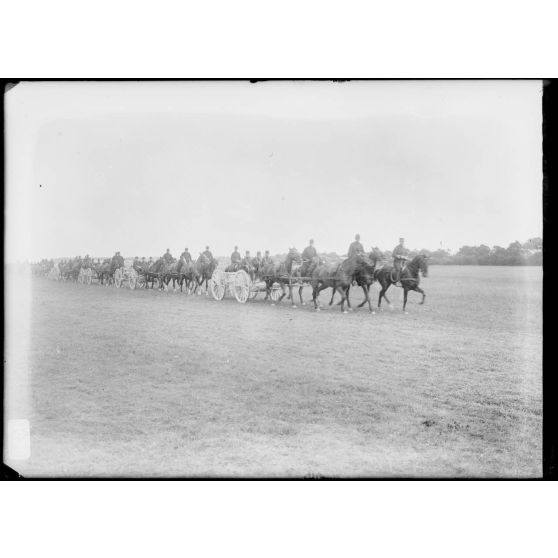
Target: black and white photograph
<point>266,279</point>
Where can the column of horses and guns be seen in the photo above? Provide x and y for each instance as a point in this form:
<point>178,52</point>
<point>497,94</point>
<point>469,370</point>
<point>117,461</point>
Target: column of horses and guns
<point>245,278</point>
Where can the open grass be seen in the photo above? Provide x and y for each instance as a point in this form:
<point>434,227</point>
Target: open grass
<point>137,383</point>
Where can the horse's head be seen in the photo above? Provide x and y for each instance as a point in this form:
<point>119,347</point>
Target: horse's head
<point>421,262</point>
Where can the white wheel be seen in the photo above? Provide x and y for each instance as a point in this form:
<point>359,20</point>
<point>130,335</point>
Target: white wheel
<point>118,278</point>
<point>218,284</point>
<point>242,284</point>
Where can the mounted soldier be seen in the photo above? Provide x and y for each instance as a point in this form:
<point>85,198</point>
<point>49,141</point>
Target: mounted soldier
<point>207,253</point>
<point>235,257</point>
<point>87,262</point>
<point>247,260</point>
<point>117,261</point>
<point>136,262</point>
<point>399,254</point>
<point>186,255</point>
<point>267,259</point>
<point>355,248</point>
<point>309,252</point>
<point>167,256</point>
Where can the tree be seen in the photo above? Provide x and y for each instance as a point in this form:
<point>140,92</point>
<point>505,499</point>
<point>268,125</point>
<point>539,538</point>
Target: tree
<point>533,244</point>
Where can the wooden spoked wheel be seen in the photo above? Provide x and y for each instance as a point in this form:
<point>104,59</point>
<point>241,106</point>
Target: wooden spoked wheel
<point>218,284</point>
<point>275,292</point>
<point>118,277</point>
<point>242,285</point>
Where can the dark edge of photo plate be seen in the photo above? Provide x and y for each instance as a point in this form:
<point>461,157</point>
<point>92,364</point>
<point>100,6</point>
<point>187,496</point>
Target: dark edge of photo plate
<point>550,412</point>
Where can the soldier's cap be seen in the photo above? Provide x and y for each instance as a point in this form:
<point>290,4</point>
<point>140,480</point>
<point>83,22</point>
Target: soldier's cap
<point>401,240</point>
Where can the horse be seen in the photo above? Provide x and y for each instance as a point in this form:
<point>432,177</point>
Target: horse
<point>364,277</point>
<point>180,271</point>
<point>203,270</point>
<point>338,277</point>
<point>156,271</point>
<point>409,278</point>
<point>304,273</point>
<point>281,273</point>
<point>106,272</point>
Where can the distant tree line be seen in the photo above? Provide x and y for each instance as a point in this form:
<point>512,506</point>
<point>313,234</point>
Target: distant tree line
<point>528,253</point>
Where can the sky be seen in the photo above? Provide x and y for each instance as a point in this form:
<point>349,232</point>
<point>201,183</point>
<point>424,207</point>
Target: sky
<point>139,167</point>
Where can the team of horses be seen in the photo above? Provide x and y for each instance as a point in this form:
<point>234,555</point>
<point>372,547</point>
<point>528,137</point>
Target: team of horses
<point>183,274</point>
<point>360,270</point>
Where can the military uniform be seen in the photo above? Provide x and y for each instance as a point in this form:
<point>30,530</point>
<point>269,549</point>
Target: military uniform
<point>309,252</point>
<point>235,257</point>
<point>117,261</point>
<point>208,254</point>
<point>168,258</point>
<point>186,255</point>
<point>355,248</point>
<point>267,259</point>
<point>399,256</point>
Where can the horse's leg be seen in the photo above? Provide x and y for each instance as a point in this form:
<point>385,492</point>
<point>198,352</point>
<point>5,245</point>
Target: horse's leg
<point>366,290</point>
<point>314,295</point>
<point>366,298</point>
<point>343,297</point>
<point>291,298</point>
<point>317,287</point>
<point>405,291</point>
<point>267,290</point>
<point>283,291</point>
<point>347,297</point>
<point>388,285</point>
<point>302,303</point>
<point>419,290</point>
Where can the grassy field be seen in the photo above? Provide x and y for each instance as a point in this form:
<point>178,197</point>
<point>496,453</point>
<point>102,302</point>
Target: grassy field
<point>136,383</point>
